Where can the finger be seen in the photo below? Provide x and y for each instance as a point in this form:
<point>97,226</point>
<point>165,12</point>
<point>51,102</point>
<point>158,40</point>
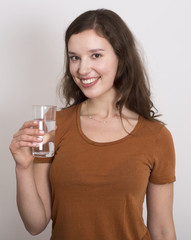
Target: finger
<point>29,124</point>
<point>21,144</point>
<point>49,137</point>
<point>16,145</point>
<point>29,131</point>
<point>28,138</point>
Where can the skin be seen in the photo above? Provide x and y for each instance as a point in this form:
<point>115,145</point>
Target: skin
<point>92,58</point>
<point>159,211</point>
<point>33,191</point>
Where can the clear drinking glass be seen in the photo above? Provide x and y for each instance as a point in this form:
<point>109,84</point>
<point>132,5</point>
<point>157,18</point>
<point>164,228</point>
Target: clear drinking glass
<point>46,117</point>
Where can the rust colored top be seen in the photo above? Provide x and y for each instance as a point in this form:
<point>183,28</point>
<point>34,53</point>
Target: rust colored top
<point>98,189</point>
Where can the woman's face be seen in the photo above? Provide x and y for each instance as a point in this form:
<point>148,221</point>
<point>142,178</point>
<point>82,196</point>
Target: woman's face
<point>93,63</point>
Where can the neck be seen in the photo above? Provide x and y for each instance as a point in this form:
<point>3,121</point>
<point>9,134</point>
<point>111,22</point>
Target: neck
<point>103,108</point>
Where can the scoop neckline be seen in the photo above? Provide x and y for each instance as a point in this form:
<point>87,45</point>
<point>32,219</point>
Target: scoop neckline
<point>137,126</point>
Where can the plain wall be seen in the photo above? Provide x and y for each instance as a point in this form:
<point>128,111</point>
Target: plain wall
<point>31,63</point>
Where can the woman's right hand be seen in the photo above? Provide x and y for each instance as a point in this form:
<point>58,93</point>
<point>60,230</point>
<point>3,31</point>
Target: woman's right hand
<point>27,137</point>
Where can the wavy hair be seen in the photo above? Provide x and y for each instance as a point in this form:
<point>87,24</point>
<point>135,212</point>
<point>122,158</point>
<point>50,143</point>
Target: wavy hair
<point>131,79</point>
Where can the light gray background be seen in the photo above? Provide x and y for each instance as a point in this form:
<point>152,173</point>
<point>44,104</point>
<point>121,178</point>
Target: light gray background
<point>31,60</point>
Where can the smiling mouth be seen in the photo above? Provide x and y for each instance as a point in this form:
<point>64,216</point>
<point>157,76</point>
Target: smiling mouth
<point>89,81</point>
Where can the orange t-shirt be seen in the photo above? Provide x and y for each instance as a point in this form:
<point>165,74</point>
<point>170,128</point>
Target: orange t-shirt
<point>98,189</point>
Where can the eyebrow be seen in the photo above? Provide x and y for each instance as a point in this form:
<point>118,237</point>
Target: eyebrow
<point>91,50</point>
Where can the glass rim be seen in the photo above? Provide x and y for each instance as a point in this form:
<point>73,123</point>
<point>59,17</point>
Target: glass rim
<point>43,105</point>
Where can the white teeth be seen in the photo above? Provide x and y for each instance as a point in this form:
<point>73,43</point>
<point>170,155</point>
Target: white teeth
<point>89,80</point>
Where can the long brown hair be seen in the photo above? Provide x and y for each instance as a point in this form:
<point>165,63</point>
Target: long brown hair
<point>131,80</point>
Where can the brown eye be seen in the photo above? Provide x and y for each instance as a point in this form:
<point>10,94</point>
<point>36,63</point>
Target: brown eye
<point>74,58</point>
<point>96,55</point>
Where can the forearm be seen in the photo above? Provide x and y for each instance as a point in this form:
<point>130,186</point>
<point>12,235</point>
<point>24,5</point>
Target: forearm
<point>29,203</point>
<point>165,233</point>
<point>160,211</point>
<point>164,237</point>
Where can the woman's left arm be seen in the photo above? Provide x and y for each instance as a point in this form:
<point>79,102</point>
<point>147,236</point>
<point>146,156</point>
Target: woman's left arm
<point>160,211</point>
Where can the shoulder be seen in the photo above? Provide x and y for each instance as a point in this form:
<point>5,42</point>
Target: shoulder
<point>65,115</point>
<point>65,120</point>
<point>67,111</point>
<point>154,128</point>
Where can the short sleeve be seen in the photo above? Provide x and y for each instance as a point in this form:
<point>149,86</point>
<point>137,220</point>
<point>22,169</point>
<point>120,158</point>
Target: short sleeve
<point>163,169</point>
<point>43,160</point>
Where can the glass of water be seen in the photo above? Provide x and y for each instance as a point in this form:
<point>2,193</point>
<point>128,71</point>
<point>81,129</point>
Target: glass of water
<point>46,117</point>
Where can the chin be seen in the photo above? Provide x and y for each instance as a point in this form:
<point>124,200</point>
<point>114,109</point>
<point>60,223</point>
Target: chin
<point>91,94</point>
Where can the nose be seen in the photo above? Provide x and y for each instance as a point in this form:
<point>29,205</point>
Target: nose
<point>84,67</point>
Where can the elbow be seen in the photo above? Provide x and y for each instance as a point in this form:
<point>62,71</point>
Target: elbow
<point>163,234</point>
<point>33,233</point>
<point>35,230</point>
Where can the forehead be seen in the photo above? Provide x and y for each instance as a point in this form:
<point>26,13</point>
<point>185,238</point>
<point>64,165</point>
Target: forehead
<point>86,40</point>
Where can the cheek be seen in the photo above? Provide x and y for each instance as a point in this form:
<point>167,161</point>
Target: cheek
<point>109,70</point>
<point>114,64</point>
<point>71,68</point>
<point>109,66</point>
<point>102,67</point>
<point>73,73</point>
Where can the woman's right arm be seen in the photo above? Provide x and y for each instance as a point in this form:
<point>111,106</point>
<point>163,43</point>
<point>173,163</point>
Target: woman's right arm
<point>33,190</point>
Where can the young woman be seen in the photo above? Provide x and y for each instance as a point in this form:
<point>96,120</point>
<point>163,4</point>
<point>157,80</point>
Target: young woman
<point>110,148</point>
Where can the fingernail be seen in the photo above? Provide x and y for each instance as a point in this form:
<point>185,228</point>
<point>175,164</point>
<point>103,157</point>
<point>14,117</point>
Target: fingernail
<point>41,132</point>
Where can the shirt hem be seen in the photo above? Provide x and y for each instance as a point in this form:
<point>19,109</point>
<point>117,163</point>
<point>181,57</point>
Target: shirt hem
<point>43,160</point>
<point>162,181</point>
